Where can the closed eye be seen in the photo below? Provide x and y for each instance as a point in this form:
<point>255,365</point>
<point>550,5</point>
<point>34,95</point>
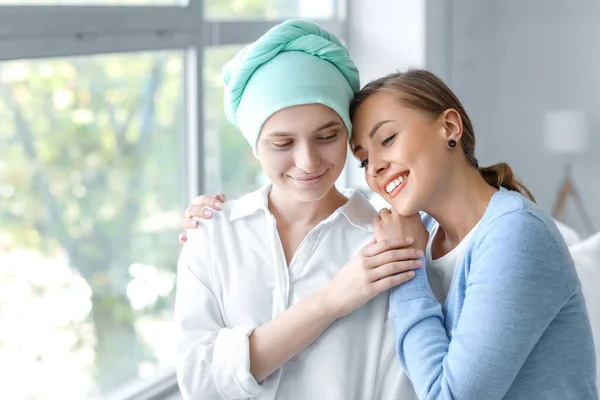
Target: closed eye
<point>282,145</point>
<point>329,138</point>
<point>388,140</point>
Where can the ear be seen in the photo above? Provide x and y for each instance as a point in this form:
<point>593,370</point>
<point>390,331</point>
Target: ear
<point>453,127</point>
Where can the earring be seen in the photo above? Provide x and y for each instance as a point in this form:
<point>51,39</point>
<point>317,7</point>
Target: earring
<point>451,143</point>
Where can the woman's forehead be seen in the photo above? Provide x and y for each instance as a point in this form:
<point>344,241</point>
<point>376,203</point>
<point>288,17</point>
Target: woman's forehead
<point>303,119</point>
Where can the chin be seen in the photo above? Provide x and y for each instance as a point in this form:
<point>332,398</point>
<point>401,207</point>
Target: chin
<point>404,207</point>
<point>309,194</point>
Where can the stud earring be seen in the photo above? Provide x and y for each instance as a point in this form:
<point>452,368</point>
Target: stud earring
<point>451,143</point>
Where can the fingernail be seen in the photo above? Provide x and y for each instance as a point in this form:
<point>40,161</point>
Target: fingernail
<point>420,253</point>
<point>419,263</point>
<point>411,274</point>
<point>218,205</point>
<point>207,213</point>
<point>410,240</point>
<point>194,223</point>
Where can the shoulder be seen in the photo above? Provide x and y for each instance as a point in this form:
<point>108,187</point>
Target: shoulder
<point>520,238</point>
<point>208,228</point>
<point>509,213</point>
<point>214,238</point>
<point>235,214</point>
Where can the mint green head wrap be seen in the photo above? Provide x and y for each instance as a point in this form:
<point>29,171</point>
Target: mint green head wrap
<point>297,62</point>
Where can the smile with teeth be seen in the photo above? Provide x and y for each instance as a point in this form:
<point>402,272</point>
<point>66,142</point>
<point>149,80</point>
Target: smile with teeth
<point>395,183</point>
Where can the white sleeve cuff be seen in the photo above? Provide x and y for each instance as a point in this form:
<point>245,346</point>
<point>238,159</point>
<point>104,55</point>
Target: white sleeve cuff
<point>231,363</point>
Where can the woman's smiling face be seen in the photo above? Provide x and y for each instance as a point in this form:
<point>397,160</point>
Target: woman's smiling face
<point>404,151</point>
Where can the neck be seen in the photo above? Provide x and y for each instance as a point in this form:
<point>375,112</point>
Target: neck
<point>288,210</point>
<point>466,196</point>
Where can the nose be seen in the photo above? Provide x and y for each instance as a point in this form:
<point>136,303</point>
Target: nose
<point>376,165</point>
<point>307,158</point>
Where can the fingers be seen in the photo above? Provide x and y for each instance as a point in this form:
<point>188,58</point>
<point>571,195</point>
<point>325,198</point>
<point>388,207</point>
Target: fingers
<point>202,207</point>
<point>200,203</point>
<point>182,238</point>
<point>387,283</point>
<point>385,245</point>
<point>394,268</point>
<point>209,201</point>
<point>384,211</point>
<point>192,213</point>
<point>189,223</point>
<point>394,255</point>
<point>198,211</point>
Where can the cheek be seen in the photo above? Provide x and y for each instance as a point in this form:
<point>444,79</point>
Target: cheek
<point>275,162</point>
<point>429,173</point>
<point>430,160</point>
<point>372,183</point>
<point>336,153</point>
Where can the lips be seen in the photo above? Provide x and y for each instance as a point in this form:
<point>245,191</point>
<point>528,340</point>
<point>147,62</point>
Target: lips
<point>308,179</point>
<point>395,184</point>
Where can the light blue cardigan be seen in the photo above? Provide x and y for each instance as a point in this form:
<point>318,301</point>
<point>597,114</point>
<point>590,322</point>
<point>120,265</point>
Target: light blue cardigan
<point>514,325</point>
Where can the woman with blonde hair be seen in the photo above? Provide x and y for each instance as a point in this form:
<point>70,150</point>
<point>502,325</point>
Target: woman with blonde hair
<point>502,315</point>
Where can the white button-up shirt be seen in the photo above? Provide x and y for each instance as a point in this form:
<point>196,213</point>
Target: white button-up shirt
<point>233,277</point>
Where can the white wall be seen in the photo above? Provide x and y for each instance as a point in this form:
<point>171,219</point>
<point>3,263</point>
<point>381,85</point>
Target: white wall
<point>508,61</point>
<point>384,36</point>
<point>514,59</point>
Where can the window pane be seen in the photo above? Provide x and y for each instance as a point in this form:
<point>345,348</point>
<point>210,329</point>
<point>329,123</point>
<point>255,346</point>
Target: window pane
<point>90,2</point>
<point>269,9</point>
<point>230,166</point>
<point>91,192</point>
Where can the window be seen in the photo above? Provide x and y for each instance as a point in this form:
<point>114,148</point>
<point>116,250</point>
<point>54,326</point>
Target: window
<point>270,9</point>
<point>91,187</point>
<point>230,165</point>
<point>100,146</point>
<point>89,2</point>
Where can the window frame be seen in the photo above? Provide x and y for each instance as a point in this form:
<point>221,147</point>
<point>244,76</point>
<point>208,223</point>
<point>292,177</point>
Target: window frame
<point>55,31</point>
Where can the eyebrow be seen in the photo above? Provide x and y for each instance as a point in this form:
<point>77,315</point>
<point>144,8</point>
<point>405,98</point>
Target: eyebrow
<point>378,125</point>
<point>326,125</point>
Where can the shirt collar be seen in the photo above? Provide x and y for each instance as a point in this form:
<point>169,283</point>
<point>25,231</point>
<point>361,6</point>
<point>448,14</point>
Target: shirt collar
<point>358,210</point>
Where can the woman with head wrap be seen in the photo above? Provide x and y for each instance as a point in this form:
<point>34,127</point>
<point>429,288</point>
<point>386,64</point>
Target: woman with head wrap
<point>282,294</point>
